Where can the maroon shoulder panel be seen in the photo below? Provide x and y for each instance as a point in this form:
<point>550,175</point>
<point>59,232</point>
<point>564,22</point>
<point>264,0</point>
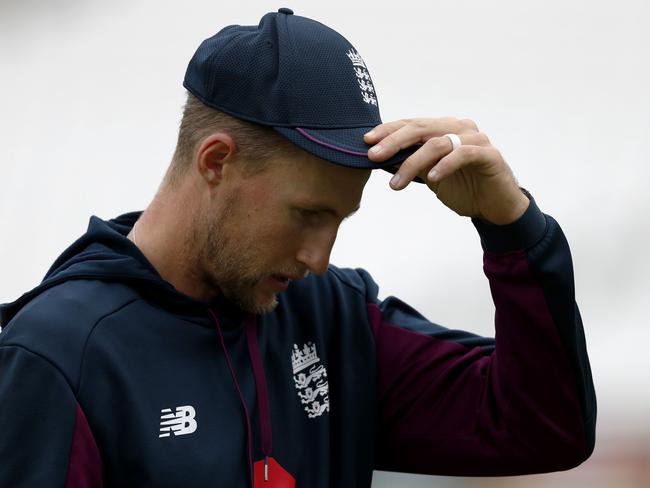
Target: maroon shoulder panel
<point>85,468</point>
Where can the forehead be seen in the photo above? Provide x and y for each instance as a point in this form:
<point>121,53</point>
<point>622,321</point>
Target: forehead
<point>301,177</point>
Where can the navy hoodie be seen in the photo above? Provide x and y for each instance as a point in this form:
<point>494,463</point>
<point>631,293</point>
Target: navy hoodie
<point>110,377</point>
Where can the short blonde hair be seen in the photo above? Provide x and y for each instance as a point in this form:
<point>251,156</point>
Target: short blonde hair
<point>256,144</point>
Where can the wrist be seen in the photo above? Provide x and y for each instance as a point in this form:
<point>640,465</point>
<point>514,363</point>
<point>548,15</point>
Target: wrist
<point>515,206</point>
<point>523,233</point>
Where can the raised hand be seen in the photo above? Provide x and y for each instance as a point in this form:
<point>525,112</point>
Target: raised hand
<point>473,180</point>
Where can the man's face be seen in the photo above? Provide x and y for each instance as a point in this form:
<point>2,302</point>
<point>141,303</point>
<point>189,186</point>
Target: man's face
<point>269,229</point>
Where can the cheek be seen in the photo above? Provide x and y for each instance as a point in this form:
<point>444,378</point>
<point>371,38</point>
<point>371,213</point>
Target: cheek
<point>267,224</point>
<point>279,239</point>
<point>283,240</point>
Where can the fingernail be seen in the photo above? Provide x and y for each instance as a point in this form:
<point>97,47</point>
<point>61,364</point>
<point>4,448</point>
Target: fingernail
<point>376,149</point>
<point>433,175</point>
<point>394,180</point>
<point>370,133</point>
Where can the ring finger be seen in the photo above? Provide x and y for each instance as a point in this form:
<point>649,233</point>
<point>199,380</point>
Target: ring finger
<point>429,154</point>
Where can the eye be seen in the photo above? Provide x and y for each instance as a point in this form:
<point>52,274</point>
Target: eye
<point>308,216</point>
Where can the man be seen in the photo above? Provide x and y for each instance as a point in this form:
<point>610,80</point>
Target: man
<point>208,342</point>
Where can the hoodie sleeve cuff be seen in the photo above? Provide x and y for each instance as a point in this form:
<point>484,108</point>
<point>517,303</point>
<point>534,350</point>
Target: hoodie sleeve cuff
<point>521,234</point>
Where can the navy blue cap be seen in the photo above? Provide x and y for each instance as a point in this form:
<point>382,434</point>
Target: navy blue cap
<point>298,76</point>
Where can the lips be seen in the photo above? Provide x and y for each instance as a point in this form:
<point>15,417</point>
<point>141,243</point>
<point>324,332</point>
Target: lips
<point>281,278</point>
<point>279,282</point>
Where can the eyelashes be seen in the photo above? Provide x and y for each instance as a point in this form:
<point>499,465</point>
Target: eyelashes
<point>309,216</point>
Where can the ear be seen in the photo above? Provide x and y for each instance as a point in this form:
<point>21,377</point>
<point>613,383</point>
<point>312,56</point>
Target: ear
<point>215,151</point>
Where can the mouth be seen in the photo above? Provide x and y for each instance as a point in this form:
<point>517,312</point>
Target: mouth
<point>281,278</point>
<point>279,283</point>
<point>290,277</point>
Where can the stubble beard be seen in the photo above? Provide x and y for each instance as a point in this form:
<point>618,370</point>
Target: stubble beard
<point>230,267</point>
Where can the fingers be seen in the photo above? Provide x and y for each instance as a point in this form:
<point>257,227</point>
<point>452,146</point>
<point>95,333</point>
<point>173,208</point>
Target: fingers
<point>432,154</point>
<point>463,156</point>
<point>391,137</point>
<point>382,130</point>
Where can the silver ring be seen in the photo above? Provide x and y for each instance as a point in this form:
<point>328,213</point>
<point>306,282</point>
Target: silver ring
<point>455,141</point>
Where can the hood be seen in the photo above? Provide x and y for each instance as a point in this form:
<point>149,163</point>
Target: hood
<point>105,253</point>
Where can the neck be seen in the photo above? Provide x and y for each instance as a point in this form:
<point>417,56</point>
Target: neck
<point>162,233</point>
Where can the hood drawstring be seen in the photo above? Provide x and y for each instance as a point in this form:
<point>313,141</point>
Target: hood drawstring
<point>261,390</point>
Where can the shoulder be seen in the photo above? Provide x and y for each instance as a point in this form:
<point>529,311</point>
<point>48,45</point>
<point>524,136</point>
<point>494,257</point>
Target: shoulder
<point>58,322</point>
<point>357,280</point>
<point>338,285</point>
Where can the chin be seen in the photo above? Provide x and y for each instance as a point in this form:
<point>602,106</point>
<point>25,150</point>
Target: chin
<point>261,308</point>
<point>254,299</point>
<point>255,304</point>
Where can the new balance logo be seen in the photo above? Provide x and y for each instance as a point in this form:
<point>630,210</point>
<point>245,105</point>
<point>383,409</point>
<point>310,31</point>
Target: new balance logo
<point>180,422</point>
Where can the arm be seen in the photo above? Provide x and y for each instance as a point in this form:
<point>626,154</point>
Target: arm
<point>446,406</point>
<point>46,440</point>
<point>456,404</point>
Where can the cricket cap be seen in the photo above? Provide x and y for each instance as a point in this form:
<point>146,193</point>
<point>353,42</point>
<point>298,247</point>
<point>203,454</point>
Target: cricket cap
<point>299,77</point>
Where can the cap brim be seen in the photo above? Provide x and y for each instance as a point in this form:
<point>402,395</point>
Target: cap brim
<point>342,146</point>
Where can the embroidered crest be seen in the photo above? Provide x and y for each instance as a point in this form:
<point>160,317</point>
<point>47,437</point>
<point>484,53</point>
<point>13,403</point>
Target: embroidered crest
<point>310,378</point>
<point>363,77</point>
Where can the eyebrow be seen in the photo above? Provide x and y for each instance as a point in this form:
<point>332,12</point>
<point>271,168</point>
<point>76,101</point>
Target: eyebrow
<point>331,211</point>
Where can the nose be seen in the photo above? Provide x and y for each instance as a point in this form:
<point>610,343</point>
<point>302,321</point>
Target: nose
<point>316,250</point>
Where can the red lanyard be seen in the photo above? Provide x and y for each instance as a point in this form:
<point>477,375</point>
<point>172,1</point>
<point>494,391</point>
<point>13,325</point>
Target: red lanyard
<point>262,391</point>
<point>269,473</point>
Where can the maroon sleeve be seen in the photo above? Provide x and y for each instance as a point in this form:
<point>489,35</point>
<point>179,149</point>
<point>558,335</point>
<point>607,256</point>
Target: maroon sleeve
<point>46,440</point>
<point>451,403</point>
<point>85,465</point>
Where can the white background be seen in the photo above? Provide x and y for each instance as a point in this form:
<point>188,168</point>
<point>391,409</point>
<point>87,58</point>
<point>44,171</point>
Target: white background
<point>91,95</point>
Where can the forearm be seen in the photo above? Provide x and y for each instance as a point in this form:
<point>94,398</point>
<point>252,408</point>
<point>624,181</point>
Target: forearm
<point>540,375</point>
<point>450,407</point>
